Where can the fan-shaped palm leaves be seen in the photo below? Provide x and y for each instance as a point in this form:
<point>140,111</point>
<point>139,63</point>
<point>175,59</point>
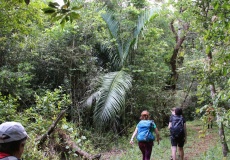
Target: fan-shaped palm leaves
<point>116,84</point>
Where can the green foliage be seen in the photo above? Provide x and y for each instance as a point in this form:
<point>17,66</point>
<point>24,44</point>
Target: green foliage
<point>50,104</point>
<point>63,13</point>
<point>31,150</point>
<point>26,1</point>
<point>8,108</point>
<point>38,119</point>
<point>123,44</point>
<point>150,73</point>
<point>17,83</point>
<point>139,3</point>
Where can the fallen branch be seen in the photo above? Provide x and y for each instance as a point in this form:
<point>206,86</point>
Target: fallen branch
<point>73,147</point>
<point>43,138</point>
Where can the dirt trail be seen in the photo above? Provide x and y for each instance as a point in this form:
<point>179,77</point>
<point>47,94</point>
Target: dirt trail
<point>200,145</point>
<point>194,149</point>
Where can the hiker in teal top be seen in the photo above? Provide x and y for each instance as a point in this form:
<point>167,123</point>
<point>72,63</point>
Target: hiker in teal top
<point>145,136</point>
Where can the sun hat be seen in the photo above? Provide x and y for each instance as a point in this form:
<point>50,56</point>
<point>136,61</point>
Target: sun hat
<point>11,131</point>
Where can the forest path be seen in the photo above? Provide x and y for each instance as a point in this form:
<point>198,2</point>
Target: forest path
<point>197,146</point>
<point>193,149</point>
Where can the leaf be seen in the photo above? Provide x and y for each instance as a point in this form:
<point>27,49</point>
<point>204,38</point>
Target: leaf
<point>70,129</point>
<point>208,49</point>
<point>112,97</point>
<point>143,19</point>
<point>64,10</point>
<point>74,15</point>
<point>78,141</point>
<point>92,99</point>
<point>48,10</point>
<point>68,4</point>
<point>225,71</point>
<point>63,22</point>
<point>77,7</point>
<point>27,1</point>
<point>65,126</point>
<point>112,24</point>
<point>53,5</point>
<point>54,14</point>
<point>57,18</point>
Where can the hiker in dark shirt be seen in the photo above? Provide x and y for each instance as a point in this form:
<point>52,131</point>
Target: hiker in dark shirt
<point>12,140</point>
<point>178,133</point>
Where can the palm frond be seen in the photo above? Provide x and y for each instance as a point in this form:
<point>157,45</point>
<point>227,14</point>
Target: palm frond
<point>113,26</point>
<point>126,49</point>
<point>112,23</point>
<point>91,100</point>
<point>143,18</point>
<point>109,54</point>
<point>112,98</point>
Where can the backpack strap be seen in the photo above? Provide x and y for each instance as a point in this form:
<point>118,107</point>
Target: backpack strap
<point>150,126</point>
<point>180,121</point>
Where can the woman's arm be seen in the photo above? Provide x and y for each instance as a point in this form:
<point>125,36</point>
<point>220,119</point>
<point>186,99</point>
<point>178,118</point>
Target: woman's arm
<point>134,134</point>
<point>170,124</point>
<point>185,132</point>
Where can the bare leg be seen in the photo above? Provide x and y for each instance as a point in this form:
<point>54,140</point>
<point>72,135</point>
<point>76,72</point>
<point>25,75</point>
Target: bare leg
<point>181,152</point>
<point>173,148</point>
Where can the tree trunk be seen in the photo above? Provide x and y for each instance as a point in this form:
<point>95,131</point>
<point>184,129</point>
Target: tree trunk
<point>180,37</point>
<point>225,149</point>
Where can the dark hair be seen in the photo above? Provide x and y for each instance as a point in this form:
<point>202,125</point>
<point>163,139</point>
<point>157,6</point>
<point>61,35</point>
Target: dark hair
<point>178,111</point>
<point>11,147</point>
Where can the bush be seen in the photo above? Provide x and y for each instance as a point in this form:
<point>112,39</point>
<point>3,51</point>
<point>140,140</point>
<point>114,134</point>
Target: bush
<point>8,108</point>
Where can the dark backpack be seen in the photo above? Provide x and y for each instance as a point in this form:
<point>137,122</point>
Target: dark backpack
<point>177,128</point>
